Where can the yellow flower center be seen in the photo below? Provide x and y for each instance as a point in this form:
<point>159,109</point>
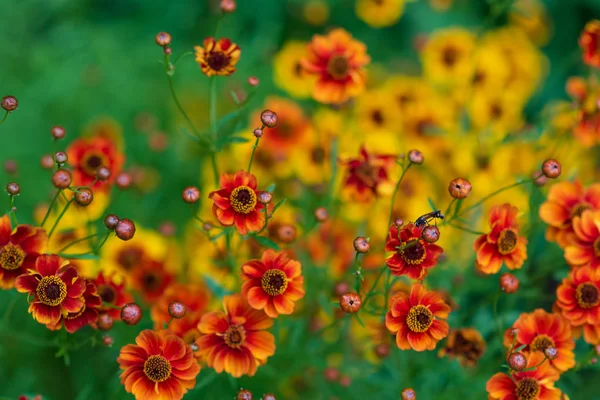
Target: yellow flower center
<point>338,67</point>
<point>107,293</point>
<point>11,257</point>
<point>243,199</point>
<point>413,251</point>
<point>419,318</point>
<point>587,295</point>
<point>527,389</point>
<point>274,282</point>
<point>91,161</point>
<point>217,60</point>
<point>235,336</point>
<point>157,368</point>
<point>507,241</point>
<point>78,313</point>
<point>541,343</point>
<point>51,290</point>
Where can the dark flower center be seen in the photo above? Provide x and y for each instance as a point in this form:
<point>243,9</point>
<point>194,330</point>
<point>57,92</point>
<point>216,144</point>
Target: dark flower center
<point>413,251</point>
<point>579,209</point>
<point>317,155</point>
<point>130,257</point>
<point>92,161</point>
<point>150,281</point>
<point>462,346</point>
<point>527,389</point>
<point>507,241</point>
<point>243,199</point>
<point>367,174</point>
<point>157,368</point>
<point>217,60</point>
<point>587,295</point>
<point>541,343</point>
<point>419,318</point>
<point>107,293</point>
<point>11,257</point>
<point>377,117</point>
<point>235,336</point>
<point>450,56</point>
<point>496,111</point>
<point>51,290</point>
<point>338,67</point>
<point>298,70</point>
<point>274,282</point>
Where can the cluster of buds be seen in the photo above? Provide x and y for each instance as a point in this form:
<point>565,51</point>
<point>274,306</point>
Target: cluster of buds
<point>163,39</point>
<point>269,119</point>
<point>517,360</point>
<point>245,394</point>
<point>124,228</point>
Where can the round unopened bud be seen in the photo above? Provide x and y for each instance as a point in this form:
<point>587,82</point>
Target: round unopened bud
<point>61,179</point>
<point>10,166</point>
<point>331,374</point>
<point>177,309</point>
<point>517,361</point>
<point>125,229</point>
<point>269,118</point>
<point>105,322</point>
<point>341,288</point>
<point>459,188</point>
<point>84,197</point>
<point>58,132</point>
<point>539,179</point>
<point>111,221</point>
<point>286,233</point>
<point>361,244</point>
<point>131,313</point>
<point>398,222</point>
<point>61,157</point>
<point>269,396</point>
<point>103,174</point>
<point>513,331</point>
<point>107,340</point>
<point>13,188</point>
<point>9,103</point>
<point>168,51</point>
<point>321,214</point>
<point>207,226</point>
<point>244,394</point>
<point>167,228</point>
<point>123,180</point>
<point>551,352</point>
<point>597,349</point>
<point>415,157</point>
<point>258,133</point>
<point>594,361</point>
<point>47,162</point>
<point>265,197</point>
<point>190,194</point>
<point>382,350</point>
<point>431,234</point>
<point>350,302</point>
<point>551,169</point>
<point>253,81</point>
<point>228,6</point>
<point>409,394</point>
<point>509,283</point>
<point>163,39</point>
<point>345,381</point>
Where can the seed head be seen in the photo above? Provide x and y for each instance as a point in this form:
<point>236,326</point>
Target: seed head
<point>13,188</point>
<point>111,221</point>
<point>551,169</point>
<point>103,174</point>
<point>177,309</point>
<point>431,234</point>
<point>61,157</point>
<point>321,214</point>
<point>517,361</point>
<point>253,81</point>
<point>190,194</point>
<point>264,197</point>
<point>123,180</point>
<point>61,179</point>
<point>409,394</point>
<point>131,313</point>
<point>58,132</point>
<point>125,229</point>
<point>361,244</point>
<point>105,322</point>
<point>350,302</point>
<point>47,162</point>
<point>459,188</point>
<point>415,157</point>
<point>163,39</point>
<point>9,103</point>
<point>84,197</point>
<point>258,133</point>
<point>509,283</point>
<point>269,118</point>
<point>244,394</point>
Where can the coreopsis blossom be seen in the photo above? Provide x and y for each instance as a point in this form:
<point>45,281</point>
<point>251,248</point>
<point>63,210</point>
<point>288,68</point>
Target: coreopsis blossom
<point>584,248</point>
<point>537,384</point>
<point>234,341</point>
<point>578,299</point>
<point>448,57</point>
<point>540,330</point>
<point>235,203</point>
<point>417,319</point>
<point>589,41</point>
<point>379,13</point>
<point>288,73</point>
<point>54,289</point>
<point>273,284</point>
<point>217,57</point>
<point>87,154</point>
<point>412,255</point>
<point>18,250</point>
<point>87,314</point>
<point>338,61</point>
<point>113,294</point>
<point>567,200</point>
<point>464,344</point>
<point>503,244</point>
<point>368,174</point>
<point>159,366</point>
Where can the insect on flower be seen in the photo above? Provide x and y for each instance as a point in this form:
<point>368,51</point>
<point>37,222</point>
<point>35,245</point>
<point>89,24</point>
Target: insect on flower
<point>425,219</point>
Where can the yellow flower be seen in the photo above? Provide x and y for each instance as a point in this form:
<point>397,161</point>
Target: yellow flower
<point>289,74</point>
<point>311,165</point>
<point>376,112</point>
<point>407,91</point>
<point>531,17</point>
<point>380,13</point>
<point>316,12</point>
<point>448,57</point>
<point>499,112</point>
<point>328,123</point>
<point>492,70</point>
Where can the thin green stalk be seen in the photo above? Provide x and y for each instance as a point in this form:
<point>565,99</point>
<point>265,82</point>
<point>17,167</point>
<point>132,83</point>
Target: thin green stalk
<point>370,292</point>
<point>4,118</point>
<point>396,192</point>
<point>496,319</point>
<point>51,206</point>
<point>462,228</point>
<point>213,126</point>
<point>59,218</point>
<point>252,154</point>
<point>12,213</point>
<point>97,249</point>
<point>78,241</point>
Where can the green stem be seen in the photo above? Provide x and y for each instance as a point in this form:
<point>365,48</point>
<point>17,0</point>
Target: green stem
<point>13,215</point>
<point>97,249</point>
<point>462,228</point>
<point>51,206</point>
<point>396,192</point>
<point>4,118</point>
<point>213,126</point>
<point>496,319</point>
<point>252,154</point>
<point>59,218</point>
<point>78,241</point>
<point>357,272</point>
<point>370,292</point>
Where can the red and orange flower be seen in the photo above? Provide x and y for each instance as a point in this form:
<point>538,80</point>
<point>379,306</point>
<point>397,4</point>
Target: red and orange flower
<point>540,330</point>
<point>54,287</point>
<point>584,248</point>
<point>273,284</point>
<point>236,202</point>
<point>537,384</point>
<point>503,244</point>
<point>86,155</point>
<point>578,299</point>
<point>18,250</point>
<point>234,341</point>
<point>159,366</point>
<point>412,256</point>
<point>466,345</point>
<point>338,61</point>
<point>366,174</point>
<point>217,57</point>
<point>416,319</point>
<point>88,314</point>
<point>589,41</point>
<point>113,295</point>
<point>151,278</point>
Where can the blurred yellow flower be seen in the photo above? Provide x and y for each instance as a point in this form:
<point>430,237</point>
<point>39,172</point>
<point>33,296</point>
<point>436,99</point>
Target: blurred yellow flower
<point>316,12</point>
<point>499,112</point>
<point>375,112</point>
<point>379,13</point>
<point>289,74</point>
<point>531,17</point>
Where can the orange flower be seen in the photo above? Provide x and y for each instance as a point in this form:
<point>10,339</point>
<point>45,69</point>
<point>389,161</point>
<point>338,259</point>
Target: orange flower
<point>161,366</point>
<point>18,250</point>
<point>578,298</point>
<point>273,283</point>
<point>589,41</point>
<point>464,344</point>
<point>338,62</point>
<point>54,287</point>
<point>234,341</point>
<point>236,203</point>
<point>366,174</point>
<point>86,155</point>
<point>88,314</point>
<point>412,256</point>
<point>587,130</point>
<point>412,318</point>
<point>503,243</point>
<point>584,248</point>
<point>151,278</point>
<point>217,57</point>
<point>331,247</point>
<point>113,294</point>
<point>538,331</point>
<point>567,200</point>
<point>537,384</point>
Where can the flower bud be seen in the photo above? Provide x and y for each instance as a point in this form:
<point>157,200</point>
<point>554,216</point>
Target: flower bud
<point>269,396</point>
<point>228,6</point>
<point>207,226</point>
<point>321,214</point>
<point>597,349</point>
<point>107,340</point>
<point>415,157</point>
<point>382,350</point>
<point>398,222</point>
<point>269,118</point>
<point>350,302</point>
<point>361,244</point>
<point>105,322</point>
<point>9,103</point>
<point>61,157</point>
<point>123,180</point>
<point>177,309</point>
<point>551,169</point>
<point>409,394</point>
<point>345,381</point>
<point>167,228</point>
<point>125,229</point>
<point>286,233</point>
<point>103,174</point>
<point>61,179</point>
<point>163,39</point>
<point>509,283</point>
<point>111,221</point>
<point>594,361</point>
<point>517,361</point>
<point>341,288</point>
<point>190,194</point>
<point>258,133</point>
<point>253,81</point>
<point>84,197</point>
<point>10,166</point>
<point>551,352</point>
<point>265,197</point>
<point>244,394</point>
<point>58,132</point>
<point>459,188</point>
<point>431,234</point>
<point>168,51</point>
<point>13,188</point>
<point>331,374</point>
<point>47,162</point>
<point>131,313</point>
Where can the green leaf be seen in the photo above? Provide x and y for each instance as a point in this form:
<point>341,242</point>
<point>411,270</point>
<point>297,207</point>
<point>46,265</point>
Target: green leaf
<point>237,139</point>
<point>80,256</point>
<point>279,204</point>
<point>223,232</point>
<point>271,187</point>
<point>266,242</point>
<point>431,204</point>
